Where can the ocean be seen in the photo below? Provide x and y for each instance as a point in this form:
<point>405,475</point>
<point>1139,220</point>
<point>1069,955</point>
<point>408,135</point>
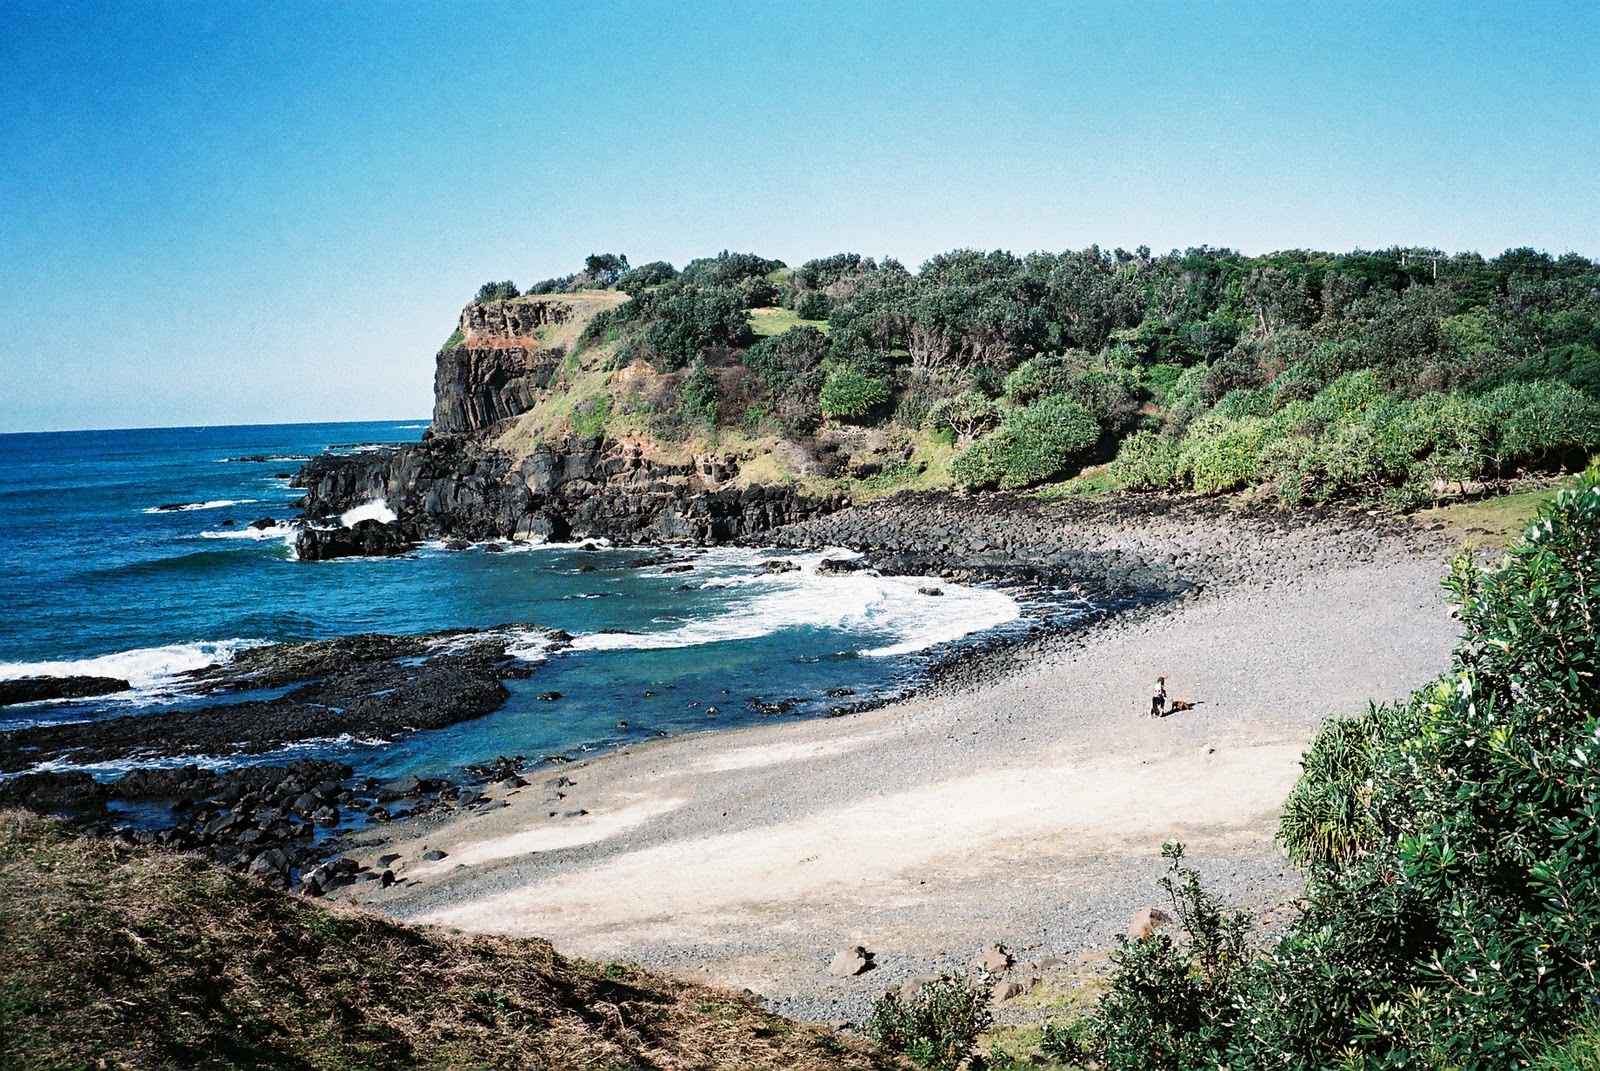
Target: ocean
<point>96,577</point>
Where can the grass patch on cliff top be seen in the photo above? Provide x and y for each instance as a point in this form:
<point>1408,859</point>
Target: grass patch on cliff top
<point>776,321</point>
<point>122,957</point>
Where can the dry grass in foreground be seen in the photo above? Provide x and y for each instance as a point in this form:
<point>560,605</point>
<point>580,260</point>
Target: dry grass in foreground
<point>122,957</point>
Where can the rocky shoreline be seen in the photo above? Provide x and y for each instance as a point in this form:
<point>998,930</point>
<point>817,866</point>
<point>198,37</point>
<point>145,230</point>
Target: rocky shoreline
<point>276,820</point>
<point>1125,557</point>
<point>455,486</point>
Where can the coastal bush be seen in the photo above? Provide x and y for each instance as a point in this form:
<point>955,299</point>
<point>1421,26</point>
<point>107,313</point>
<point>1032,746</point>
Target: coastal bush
<point>1315,376</point>
<point>1171,1006</point>
<point>1039,442</point>
<point>681,322</point>
<point>698,397</point>
<point>1110,393</point>
<point>937,1026</point>
<point>1452,910</point>
<point>813,305</point>
<point>503,291</point>
<point>850,392</point>
<point>645,276</point>
<point>728,269</point>
<point>966,415</point>
<point>1146,461</point>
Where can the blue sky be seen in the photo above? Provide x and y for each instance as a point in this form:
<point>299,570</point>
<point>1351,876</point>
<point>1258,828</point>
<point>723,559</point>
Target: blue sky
<point>243,213</point>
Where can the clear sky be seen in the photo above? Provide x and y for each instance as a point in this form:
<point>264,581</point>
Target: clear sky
<point>244,213</point>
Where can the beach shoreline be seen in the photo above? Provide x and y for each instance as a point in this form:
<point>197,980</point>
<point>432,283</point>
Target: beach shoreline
<point>1022,799</point>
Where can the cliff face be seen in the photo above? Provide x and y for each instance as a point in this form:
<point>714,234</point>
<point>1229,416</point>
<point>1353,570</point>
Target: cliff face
<point>508,352</point>
<point>459,482</point>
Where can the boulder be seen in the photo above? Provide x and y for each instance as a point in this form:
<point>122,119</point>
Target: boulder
<point>272,863</point>
<point>839,566</point>
<point>912,986</point>
<point>434,855</point>
<point>994,958</point>
<point>1147,921</point>
<point>368,539</point>
<point>1007,990</point>
<point>930,591</point>
<point>399,789</point>
<point>38,689</point>
<point>850,962</point>
<point>778,565</point>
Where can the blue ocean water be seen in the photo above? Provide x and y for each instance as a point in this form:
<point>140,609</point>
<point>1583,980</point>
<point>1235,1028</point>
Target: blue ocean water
<point>96,578</point>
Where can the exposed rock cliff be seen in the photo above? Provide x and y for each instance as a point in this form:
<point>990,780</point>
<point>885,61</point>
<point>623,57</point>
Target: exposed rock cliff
<point>461,481</point>
<point>574,489</point>
<point>507,353</point>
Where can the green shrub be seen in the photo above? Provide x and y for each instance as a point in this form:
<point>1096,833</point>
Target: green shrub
<point>850,392</point>
<point>1452,912</point>
<point>682,321</point>
<point>967,415</point>
<point>813,305</point>
<point>645,276</point>
<point>937,1026</point>
<point>589,418</point>
<point>503,291</point>
<point>1146,462</point>
<point>1045,440</point>
<point>1110,393</point>
<point>793,358</point>
<point>698,397</point>
<point>1538,423</point>
<point>1222,454</point>
<point>1171,1006</point>
<point>456,338</point>
<point>1327,820</point>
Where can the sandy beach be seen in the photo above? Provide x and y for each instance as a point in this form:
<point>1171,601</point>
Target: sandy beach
<point>1028,810</point>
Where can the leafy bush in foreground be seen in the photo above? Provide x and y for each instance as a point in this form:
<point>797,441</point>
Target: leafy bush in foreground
<point>1452,913</point>
<point>937,1025</point>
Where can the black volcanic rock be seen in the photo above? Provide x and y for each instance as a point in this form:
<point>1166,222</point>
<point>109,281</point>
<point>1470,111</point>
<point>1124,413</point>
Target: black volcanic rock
<point>37,689</point>
<point>368,539</point>
<point>362,685</point>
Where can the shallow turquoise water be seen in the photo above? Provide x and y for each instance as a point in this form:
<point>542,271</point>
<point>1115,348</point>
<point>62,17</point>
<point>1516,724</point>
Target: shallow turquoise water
<point>95,578</point>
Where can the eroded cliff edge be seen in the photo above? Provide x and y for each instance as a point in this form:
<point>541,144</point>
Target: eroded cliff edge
<point>496,463</point>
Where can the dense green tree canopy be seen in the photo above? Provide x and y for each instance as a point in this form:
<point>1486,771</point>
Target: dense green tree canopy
<point>1206,369</point>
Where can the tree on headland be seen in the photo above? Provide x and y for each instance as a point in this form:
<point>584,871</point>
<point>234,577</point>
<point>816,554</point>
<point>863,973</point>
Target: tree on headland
<point>503,291</point>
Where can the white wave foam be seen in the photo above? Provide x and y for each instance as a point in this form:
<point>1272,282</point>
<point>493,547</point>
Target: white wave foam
<point>376,510</point>
<point>529,645</point>
<point>285,532</point>
<point>118,767</point>
<point>144,667</point>
<point>411,427</point>
<point>890,613</point>
<point>190,507</point>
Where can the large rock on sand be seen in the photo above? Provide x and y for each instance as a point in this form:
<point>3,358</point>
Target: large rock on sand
<point>994,958</point>
<point>1147,921</point>
<point>851,962</point>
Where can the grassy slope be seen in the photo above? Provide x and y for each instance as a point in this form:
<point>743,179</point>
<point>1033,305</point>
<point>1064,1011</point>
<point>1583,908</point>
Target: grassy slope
<point>586,397</point>
<point>121,957</point>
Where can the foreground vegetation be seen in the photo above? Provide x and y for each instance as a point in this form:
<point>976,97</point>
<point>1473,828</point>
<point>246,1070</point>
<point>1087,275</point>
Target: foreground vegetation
<point>1402,376</point>
<point>121,957</point>
<point>1452,914</point>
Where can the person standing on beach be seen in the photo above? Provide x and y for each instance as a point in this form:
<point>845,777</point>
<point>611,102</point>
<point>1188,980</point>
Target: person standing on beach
<point>1158,701</point>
